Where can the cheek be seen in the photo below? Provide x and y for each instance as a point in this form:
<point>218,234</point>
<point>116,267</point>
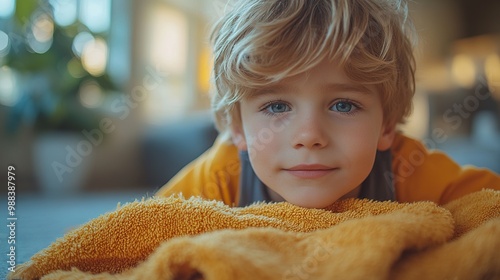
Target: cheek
<point>263,151</point>
<point>360,144</point>
<point>263,135</point>
<point>368,128</point>
<point>262,146</point>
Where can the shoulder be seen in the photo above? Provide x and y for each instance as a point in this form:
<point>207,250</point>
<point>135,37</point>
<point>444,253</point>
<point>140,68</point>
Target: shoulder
<point>406,145</point>
<point>213,175</point>
<point>413,153</point>
<point>223,156</point>
<point>422,174</point>
<point>419,173</point>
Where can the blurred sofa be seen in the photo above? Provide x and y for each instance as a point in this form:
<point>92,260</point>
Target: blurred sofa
<point>470,119</point>
<point>481,148</point>
<point>168,147</point>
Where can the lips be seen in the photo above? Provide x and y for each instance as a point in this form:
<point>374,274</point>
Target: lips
<point>310,171</point>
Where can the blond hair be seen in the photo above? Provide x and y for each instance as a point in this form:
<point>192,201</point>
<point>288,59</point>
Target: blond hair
<point>260,42</point>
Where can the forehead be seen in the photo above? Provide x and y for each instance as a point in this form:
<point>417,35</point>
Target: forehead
<point>325,76</point>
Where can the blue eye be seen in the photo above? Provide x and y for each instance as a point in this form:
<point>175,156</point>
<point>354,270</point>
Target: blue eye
<point>277,108</point>
<point>343,107</point>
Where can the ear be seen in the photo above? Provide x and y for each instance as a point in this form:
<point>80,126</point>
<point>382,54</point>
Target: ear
<point>238,137</point>
<point>387,137</point>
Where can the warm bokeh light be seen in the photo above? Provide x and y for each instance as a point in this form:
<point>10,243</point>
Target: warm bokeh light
<point>79,42</point>
<point>417,125</point>
<point>95,56</point>
<point>43,28</point>
<point>434,77</point>
<point>463,70</point>
<point>91,95</point>
<point>168,40</point>
<point>166,50</point>
<point>204,69</point>
<point>42,31</point>
<point>492,71</point>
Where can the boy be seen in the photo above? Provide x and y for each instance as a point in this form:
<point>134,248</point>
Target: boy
<point>308,96</point>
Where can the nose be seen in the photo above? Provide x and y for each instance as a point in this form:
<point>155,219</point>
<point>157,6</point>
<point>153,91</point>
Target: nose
<point>310,133</point>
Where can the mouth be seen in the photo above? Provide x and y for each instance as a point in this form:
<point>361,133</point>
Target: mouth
<point>310,171</point>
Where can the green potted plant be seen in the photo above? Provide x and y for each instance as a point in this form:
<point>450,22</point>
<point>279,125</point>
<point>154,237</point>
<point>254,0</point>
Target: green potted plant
<point>49,92</point>
<point>50,81</point>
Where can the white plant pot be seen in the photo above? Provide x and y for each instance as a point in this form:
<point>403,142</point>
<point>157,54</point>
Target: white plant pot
<point>61,162</point>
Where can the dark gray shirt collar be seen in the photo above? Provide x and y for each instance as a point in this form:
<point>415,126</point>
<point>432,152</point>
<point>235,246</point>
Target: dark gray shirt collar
<point>376,186</point>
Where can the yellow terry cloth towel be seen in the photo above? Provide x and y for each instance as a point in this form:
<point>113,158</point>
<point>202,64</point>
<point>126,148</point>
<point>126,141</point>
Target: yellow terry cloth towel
<point>177,238</point>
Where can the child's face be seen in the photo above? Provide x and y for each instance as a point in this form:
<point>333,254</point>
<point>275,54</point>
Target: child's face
<point>312,138</point>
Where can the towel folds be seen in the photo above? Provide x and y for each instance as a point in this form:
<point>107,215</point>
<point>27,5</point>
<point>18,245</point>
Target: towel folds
<point>177,238</point>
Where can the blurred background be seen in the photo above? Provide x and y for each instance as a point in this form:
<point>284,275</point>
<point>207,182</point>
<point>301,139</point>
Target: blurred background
<point>103,101</point>
<point>112,95</point>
